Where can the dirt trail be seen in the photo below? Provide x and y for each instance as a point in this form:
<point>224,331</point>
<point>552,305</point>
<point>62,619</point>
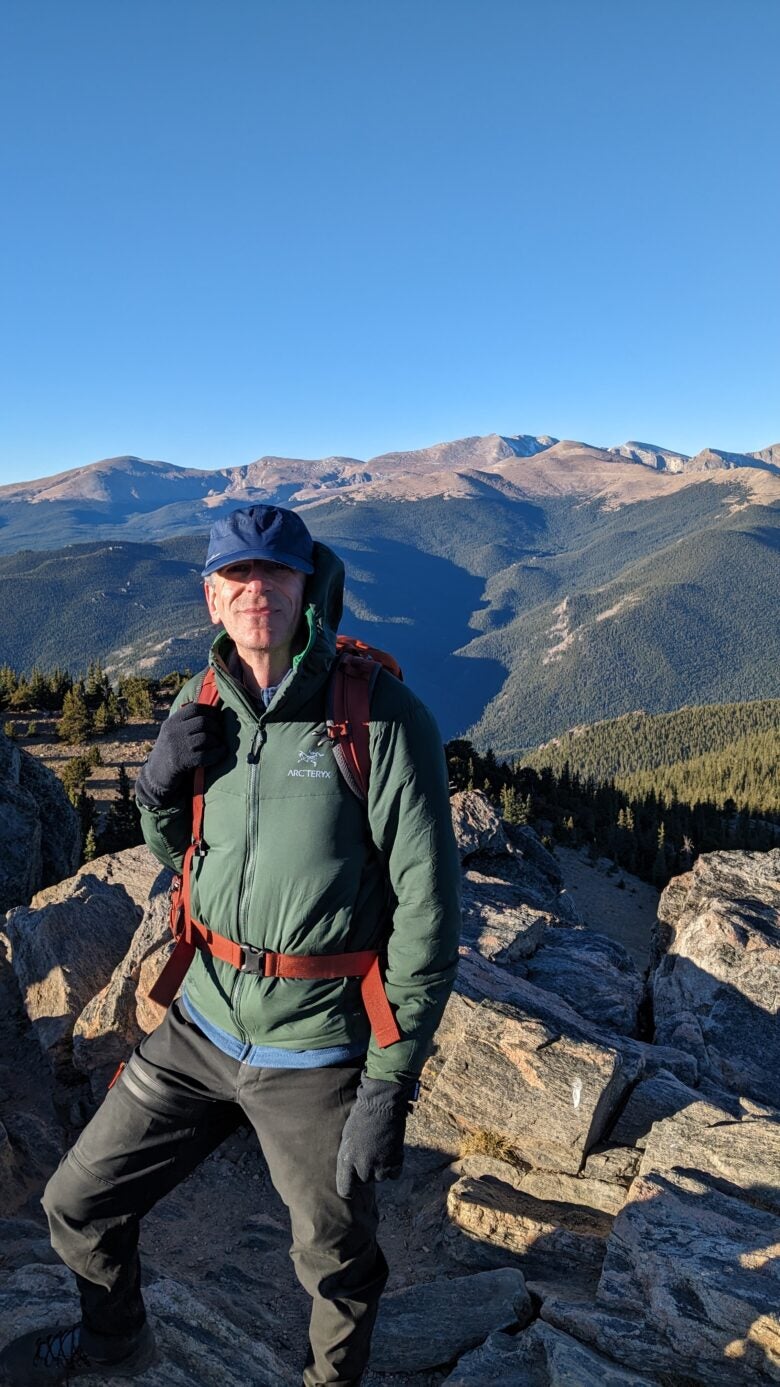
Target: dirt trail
<point>626,914</point>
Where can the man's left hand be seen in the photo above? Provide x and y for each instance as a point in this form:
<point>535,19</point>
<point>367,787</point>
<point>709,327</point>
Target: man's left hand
<point>372,1143</point>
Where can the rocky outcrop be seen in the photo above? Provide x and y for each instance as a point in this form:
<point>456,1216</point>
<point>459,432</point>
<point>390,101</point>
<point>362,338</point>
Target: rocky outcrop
<point>566,1161</point>
<point>63,953</point>
<point>40,835</point>
<point>715,990</point>
<point>115,1020</point>
<point>690,1286</point>
<point>134,869</point>
<point>548,1091</point>
<point>85,991</point>
<point>478,829</point>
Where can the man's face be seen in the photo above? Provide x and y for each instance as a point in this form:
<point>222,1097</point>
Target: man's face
<point>258,602</point>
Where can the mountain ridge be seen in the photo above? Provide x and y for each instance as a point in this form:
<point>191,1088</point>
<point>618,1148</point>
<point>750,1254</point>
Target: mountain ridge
<point>525,586</point>
<point>482,451</point>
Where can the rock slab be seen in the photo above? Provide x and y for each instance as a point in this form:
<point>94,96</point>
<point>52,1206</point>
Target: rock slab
<point>740,1154</point>
<point>197,1346</point>
<point>547,1239</point>
<point>596,976</point>
<point>40,834</point>
<point>548,1090</point>
<point>540,1357</point>
<point>690,1287</point>
<point>426,1325</point>
<point>715,991</point>
<point>114,1021</point>
<point>65,952</point>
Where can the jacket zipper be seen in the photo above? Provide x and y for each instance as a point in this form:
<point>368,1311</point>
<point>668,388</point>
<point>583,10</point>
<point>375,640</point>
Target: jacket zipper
<point>245,895</point>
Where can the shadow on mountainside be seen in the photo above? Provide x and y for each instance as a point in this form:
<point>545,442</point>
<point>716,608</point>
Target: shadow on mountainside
<point>417,606</point>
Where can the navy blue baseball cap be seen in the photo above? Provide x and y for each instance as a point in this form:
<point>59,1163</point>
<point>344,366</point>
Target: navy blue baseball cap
<point>260,532</point>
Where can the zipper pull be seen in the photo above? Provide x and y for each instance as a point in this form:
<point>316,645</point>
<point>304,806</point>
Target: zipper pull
<point>256,747</point>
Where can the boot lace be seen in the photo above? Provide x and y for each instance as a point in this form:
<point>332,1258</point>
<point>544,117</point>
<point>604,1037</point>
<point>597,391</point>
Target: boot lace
<point>62,1349</point>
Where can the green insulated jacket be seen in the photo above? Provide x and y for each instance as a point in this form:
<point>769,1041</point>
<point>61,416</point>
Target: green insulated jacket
<point>296,864</point>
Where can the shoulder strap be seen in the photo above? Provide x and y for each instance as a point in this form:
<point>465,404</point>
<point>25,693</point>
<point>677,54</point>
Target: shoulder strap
<point>349,701</point>
<point>209,695</point>
<point>351,685</point>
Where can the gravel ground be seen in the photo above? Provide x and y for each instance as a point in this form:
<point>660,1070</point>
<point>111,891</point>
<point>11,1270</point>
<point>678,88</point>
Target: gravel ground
<point>624,913</point>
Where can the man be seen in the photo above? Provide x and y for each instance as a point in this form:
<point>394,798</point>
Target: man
<point>290,864</point>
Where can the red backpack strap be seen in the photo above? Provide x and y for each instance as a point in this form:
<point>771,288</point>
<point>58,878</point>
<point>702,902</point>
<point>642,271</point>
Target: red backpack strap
<point>352,681</point>
<point>209,694</point>
<point>172,976</point>
<point>349,701</point>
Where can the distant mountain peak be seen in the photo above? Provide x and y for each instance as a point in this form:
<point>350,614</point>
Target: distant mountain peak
<point>717,459</point>
<point>527,445</point>
<point>651,455</point>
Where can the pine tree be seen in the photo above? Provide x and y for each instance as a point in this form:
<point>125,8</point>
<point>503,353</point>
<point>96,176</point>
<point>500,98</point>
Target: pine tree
<point>107,714</point>
<point>97,685</point>
<point>74,775</point>
<point>8,683</point>
<point>84,806</point>
<point>122,828</point>
<point>20,698</point>
<point>511,808</point>
<point>58,683</point>
<point>37,688</point>
<point>660,866</point>
<point>136,694</point>
<point>90,845</point>
<point>74,725</point>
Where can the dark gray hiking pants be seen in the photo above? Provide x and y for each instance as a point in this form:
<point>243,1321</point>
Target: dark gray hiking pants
<point>178,1098</point>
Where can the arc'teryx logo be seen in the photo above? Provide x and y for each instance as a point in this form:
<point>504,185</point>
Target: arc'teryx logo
<point>309,770</point>
<point>310,757</point>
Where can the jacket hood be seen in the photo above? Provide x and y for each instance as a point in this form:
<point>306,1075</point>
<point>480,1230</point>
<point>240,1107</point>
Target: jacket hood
<point>323,597</point>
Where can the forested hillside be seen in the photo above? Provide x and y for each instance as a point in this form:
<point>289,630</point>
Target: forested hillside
<point>513,616</point>
<point>717,753</point>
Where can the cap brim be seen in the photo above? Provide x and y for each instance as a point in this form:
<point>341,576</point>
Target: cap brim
<point>223,560</point>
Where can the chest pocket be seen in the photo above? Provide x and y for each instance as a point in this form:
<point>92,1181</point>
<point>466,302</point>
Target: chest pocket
<point>297,762</point>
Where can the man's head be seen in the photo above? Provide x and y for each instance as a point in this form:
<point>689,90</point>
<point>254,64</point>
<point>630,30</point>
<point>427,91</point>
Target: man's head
<point>260,532</point>
<point>256,567</point>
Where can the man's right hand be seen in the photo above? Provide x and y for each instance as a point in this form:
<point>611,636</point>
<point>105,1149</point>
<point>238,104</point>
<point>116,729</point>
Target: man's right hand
<point>191,737</point>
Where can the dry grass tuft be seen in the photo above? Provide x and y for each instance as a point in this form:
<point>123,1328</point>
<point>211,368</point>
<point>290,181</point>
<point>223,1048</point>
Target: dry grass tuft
<point>484,1143</point>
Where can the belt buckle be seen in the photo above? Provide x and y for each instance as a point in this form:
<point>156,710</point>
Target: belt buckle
<point>253,959</point>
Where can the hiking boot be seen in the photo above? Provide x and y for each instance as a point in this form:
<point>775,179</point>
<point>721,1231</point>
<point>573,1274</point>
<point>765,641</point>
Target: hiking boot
<point>39,1358</point>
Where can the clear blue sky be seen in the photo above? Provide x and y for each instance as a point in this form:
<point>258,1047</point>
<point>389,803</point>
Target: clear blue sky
<point>311,227</point>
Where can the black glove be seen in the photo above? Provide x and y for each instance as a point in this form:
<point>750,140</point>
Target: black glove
<point>191,737</point>
<point>372,1143</point>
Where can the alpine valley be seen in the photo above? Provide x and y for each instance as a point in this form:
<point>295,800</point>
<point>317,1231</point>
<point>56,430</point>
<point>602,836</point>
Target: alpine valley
<point>526,585</point>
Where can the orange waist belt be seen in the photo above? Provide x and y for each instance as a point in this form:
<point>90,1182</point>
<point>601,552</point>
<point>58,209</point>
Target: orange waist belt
<point>190,935</point>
